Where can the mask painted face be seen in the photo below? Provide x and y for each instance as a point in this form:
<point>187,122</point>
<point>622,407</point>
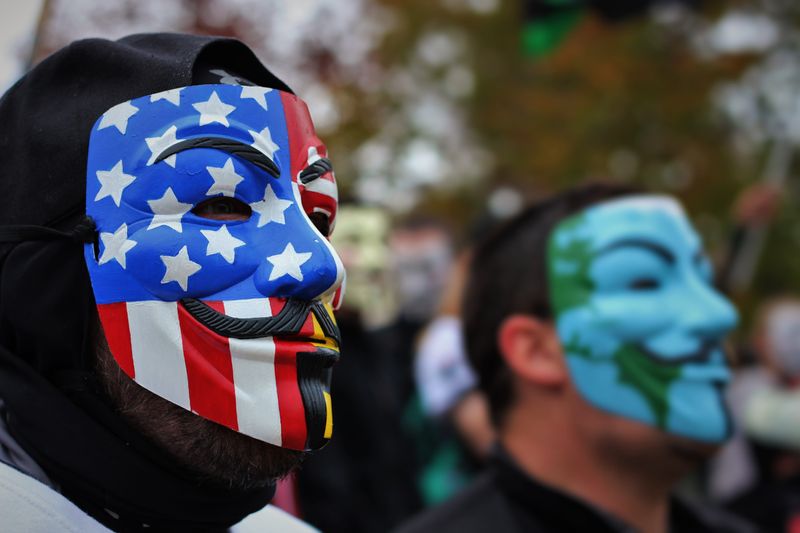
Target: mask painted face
<point>213,275</point>
<point>640,323</point>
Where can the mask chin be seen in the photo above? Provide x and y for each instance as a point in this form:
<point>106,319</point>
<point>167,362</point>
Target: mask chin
<point>274,388</point>
<point>314,371</point>
<point>306,339</point>
<point>639,388</point>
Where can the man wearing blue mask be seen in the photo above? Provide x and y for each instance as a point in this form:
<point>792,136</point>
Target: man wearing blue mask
<point>597,335</point>
<point>166,289</point>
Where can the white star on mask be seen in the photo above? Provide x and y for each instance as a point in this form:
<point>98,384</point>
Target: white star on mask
<point>159,144</point>
<point>116,245</point>
<point>262,141</point>
<point>214,110</point>
<point>259,94</point>
<point>179,268</point>
<point>168,211</point>
<point>222,242</point>
<point>113,182</point>
<point>118,117</point>
<point>288,263</point>
<point>225,179</point>
<point>173,96</point>
<point>271,208</point>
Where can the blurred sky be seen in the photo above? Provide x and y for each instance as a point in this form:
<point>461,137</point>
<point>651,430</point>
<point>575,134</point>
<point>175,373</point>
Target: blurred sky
<point>17,22</point>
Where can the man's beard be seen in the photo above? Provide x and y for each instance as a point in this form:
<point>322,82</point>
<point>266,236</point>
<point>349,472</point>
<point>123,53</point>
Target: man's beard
<point>213,453</point>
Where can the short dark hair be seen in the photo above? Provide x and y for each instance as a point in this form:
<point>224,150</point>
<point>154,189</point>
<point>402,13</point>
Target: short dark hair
<point>508,275</point>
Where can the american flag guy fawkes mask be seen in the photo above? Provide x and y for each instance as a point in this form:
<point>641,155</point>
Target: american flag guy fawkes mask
<point>213,275</point>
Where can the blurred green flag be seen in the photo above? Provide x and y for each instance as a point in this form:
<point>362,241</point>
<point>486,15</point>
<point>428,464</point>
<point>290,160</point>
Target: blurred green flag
<point>548,22</point>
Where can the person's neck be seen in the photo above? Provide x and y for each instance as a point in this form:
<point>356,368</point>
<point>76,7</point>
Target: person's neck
<point>558,457</point>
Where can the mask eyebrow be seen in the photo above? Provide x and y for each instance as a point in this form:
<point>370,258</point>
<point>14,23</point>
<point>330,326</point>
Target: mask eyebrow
<point>315,170</point>
<point>231,146</point>
<point>656,248</point>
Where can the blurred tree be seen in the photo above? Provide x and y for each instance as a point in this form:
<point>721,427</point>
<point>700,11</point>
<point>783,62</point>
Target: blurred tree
<point>430,105</point>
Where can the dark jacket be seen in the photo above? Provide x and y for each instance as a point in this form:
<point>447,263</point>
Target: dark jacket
<point>506,500</point>
<point>363,480</point>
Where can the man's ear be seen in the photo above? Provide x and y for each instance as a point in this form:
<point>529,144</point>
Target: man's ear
<point>532,350</point>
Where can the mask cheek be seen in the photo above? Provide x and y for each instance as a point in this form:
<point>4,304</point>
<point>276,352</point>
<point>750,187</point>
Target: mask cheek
<point>599,384</point>
<point>582,334</point>
<point>605,324</point>
<point>146,265</point>
<point>634,319</point>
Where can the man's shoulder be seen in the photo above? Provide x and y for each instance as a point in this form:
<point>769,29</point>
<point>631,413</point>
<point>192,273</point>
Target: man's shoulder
<point>479,507</point>
<point>271,518</point>
<point>31,506</point>
<point>709,518</point>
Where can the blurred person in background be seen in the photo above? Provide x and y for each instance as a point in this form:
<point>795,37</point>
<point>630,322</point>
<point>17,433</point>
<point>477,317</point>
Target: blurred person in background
<point>735,469</point>
<point>766,404</point>
<point>364,480</point>
<point>422,254</point>
<point>771,360</point>
<point>361,240</point>
<point>445,379</point>
<point>596,334</point>
<point>445,415</point>
<point>421,260</point>
<point>446,382</point>
<point>456,434</point>
<point>166,289</point>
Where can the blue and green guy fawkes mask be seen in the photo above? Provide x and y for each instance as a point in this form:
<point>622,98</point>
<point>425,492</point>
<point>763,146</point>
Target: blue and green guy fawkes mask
<point>213,274</point>
<point>640,323</point>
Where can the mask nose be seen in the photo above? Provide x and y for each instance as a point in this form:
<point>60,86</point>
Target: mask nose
<point>299,269</point>
<point>710,315</point>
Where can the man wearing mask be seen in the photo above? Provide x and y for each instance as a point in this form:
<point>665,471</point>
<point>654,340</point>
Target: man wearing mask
<point>166,289</point>
<point>596,333</point>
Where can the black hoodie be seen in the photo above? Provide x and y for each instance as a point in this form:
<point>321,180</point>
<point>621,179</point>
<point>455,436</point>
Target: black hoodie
<point>54,407</point>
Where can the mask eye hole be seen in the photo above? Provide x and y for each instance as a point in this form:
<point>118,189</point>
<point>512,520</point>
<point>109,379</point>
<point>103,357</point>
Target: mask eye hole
<point>223,208</point>
<point>644,284</point>
<point>321,221</point>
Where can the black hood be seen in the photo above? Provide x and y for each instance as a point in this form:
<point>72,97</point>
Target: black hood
<point>55,408</point>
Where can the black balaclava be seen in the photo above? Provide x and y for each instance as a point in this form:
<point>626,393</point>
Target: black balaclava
<point>56,409</point>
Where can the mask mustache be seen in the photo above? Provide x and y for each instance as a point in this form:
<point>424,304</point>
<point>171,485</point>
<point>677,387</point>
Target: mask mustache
<point>287,323</point>
<point>701,355</point>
